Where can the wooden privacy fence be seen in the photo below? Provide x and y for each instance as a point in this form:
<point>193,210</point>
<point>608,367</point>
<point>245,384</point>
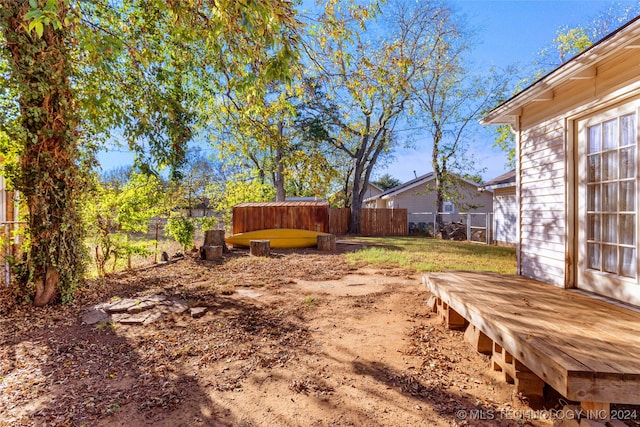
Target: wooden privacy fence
<point>317,216</point>
<point>383,222</point>
<point>339,219</point>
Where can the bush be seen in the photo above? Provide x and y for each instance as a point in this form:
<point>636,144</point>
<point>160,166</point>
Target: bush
<point>181,229</point>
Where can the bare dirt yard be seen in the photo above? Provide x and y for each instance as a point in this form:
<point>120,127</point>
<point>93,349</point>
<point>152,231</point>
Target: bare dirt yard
<point>301,338</point>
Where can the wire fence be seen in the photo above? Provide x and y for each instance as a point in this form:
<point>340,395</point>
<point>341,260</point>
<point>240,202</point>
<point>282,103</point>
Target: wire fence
<point>471,226</point>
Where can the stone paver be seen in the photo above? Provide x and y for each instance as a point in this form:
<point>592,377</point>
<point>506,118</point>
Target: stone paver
<point>140,310</point>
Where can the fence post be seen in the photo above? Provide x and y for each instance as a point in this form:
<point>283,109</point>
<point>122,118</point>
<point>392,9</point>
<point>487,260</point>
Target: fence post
<point>489,225</point>
<point>469,239</point>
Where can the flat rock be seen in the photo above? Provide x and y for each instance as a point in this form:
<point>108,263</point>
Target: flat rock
<point>197,312</point>
<point>94,315</point>
<point>153,298</point>
<point>141,306</point>
<point>121,306</point>
<point>177,306</point>
<point>132,319</point>
<point>248,293</point>
<point>153,316</point>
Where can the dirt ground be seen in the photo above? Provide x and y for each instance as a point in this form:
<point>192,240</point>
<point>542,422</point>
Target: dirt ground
<point>297,339</point>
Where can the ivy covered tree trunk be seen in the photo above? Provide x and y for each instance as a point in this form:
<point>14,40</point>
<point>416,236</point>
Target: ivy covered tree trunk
<point>48,175</point>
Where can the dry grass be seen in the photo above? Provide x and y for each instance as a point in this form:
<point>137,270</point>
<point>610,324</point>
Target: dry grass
<point>424,254</point>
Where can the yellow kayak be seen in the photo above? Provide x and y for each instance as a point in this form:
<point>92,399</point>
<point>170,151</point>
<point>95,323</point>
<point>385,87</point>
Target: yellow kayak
<point>279,238</point>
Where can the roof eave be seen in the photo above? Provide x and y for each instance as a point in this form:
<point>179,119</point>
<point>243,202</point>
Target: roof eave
<point>582,66</point>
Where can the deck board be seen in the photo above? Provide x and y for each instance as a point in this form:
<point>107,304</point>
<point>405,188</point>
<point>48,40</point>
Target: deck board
<point>586,348</point>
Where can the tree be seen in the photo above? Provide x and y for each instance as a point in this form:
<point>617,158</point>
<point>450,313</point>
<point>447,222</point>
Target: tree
<point>48,175</point>
<point>82,69</point>
<point>362,87</point>
<point>196,174</point>
<point>115,212</point>
<point>386,182</point>
<point>449,98</point>
<point>242,188</point>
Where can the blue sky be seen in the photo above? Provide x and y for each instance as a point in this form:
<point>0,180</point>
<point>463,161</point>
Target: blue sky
<point>509,33</point>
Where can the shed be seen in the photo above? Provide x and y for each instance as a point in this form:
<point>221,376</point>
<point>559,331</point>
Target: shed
<point>304,215</point>
<point>505,208</point>
<point>577,134</point>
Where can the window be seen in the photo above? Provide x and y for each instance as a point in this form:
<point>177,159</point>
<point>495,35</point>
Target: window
<point>611,196</point>
<point>447,207</point>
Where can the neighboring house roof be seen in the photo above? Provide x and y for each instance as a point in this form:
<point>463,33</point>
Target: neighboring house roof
<point>423,179</point>
<point>507,179</point>
<point>376,187</point>
<point>416,182</point>
<point>581,66</point>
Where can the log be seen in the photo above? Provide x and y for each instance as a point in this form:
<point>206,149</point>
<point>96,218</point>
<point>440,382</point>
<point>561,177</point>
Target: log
<point>259,248</point>
<point>211,253</point>
<point>327,243</point>
<point>215,238</point>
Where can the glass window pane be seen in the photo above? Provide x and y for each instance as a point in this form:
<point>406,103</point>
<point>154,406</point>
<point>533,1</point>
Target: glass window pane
<point>593,227</point>
<point>610,259</point>
<point>610,197</point>
<point>594,168</point>
<point>627,196</point>
<point>595,144</point>
<point>627,162</point>
<point>610,165</point>
<point>593,256</point>
<point>628,130</point>
<point>628,229</point>
<point>610,134</point>
<point>593,197</point>
<point>610,228</point>
<point>629,262</point>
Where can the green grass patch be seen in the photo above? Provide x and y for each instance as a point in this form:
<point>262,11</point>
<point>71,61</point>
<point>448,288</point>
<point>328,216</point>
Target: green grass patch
<point>425,254</point>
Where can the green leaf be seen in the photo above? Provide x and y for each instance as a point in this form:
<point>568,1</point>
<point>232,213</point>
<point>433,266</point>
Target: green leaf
<point>39,28</point>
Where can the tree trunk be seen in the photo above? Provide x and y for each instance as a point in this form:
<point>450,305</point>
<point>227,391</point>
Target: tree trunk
<point>327,243</point>
<point>259,248</point>
<point>40,68</point>
<point>439,171</point>
<point>211,253</point>
<point>46,288</point>
<point>356,199</point>
<point>215,238</point>
<point>279,174</point>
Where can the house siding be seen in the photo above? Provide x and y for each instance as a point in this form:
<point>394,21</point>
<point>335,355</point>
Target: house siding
<point>546,151</point>
<point>505,209</point>
<point>420,200</point>
<point>542,201</point>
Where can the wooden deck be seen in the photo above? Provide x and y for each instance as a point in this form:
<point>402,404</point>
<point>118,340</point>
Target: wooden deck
<point>586,348</point>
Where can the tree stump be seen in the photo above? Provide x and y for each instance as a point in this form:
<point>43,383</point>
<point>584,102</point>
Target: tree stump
<point>327,243</point>
<point>259,248</point>
<point>215,238</point>
<point>211,253</point>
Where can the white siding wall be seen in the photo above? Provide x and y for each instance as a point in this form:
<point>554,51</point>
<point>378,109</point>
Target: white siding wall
<point>505,213</point>
<point>542,202</point>
<point>545,197</point>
